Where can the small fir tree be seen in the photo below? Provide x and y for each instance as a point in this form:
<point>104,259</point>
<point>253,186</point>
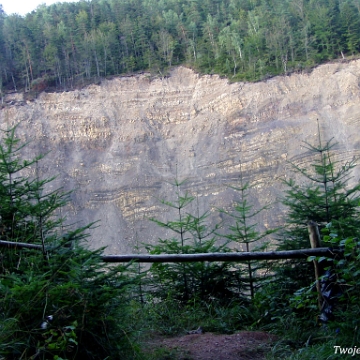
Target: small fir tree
<point>327,198</point>
<point>196,280</point>
<point>244,232</point>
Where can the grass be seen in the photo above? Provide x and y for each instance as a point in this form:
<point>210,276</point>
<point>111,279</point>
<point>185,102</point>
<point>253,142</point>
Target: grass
<point>171,318</point>
<point>161,353</point>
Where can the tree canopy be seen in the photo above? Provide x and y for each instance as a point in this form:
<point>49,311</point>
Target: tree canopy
<point>58,45</point>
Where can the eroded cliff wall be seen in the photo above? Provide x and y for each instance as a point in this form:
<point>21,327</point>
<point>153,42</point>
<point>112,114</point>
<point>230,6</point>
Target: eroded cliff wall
<point>118,144</point>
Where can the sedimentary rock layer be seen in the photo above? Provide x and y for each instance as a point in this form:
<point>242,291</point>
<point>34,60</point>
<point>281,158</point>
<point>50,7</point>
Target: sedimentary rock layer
<point>118,144</point>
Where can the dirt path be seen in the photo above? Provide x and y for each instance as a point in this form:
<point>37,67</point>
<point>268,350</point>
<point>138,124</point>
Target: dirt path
<point>244,345</point>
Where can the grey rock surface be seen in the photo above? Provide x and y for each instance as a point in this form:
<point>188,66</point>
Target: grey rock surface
<point>119,144</point>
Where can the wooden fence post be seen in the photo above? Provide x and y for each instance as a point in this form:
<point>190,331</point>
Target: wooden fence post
<point>315,242</point>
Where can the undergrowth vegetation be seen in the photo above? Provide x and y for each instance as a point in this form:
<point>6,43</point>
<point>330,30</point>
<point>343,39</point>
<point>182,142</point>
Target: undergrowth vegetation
<point>59,300</point>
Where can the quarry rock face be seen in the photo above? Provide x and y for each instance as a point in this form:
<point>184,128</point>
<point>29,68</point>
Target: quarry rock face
<point>119,144</point>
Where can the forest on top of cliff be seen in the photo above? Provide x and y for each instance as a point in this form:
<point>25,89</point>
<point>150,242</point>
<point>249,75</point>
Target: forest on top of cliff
<point>70,44</point>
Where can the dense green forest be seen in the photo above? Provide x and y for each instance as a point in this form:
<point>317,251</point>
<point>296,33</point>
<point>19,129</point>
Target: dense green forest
<point>59,45</point>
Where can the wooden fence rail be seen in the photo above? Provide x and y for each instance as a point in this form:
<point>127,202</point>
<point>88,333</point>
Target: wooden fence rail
<point>19,245</point>
<point>233,256</point>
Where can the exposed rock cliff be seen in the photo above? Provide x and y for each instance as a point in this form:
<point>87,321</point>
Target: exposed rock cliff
<point>117,144</point>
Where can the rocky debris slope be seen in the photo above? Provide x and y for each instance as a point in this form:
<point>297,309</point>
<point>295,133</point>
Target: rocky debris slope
<point>118,144</point>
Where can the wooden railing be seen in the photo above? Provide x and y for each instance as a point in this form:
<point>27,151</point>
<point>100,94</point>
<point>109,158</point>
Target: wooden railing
<point>230,256</point>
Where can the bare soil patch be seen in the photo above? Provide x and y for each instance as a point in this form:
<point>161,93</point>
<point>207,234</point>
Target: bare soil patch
<point>244,345</point>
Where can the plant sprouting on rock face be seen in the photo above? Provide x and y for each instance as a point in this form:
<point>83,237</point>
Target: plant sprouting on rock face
<point>61,302</point>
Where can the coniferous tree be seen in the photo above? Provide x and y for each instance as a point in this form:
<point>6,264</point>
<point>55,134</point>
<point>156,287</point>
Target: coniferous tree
<point>244,232</point>
<point>326,199</point>
<point>195,280</point>
<point>25,214</point>
<point>79,42</point>
<point>59,301</point>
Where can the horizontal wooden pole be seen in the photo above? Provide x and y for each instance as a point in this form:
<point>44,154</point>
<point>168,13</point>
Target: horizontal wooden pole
<point>233,256</point>
<point>20,245</point>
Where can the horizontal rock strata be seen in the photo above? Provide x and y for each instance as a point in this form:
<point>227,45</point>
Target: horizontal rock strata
<point>118,144</point>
